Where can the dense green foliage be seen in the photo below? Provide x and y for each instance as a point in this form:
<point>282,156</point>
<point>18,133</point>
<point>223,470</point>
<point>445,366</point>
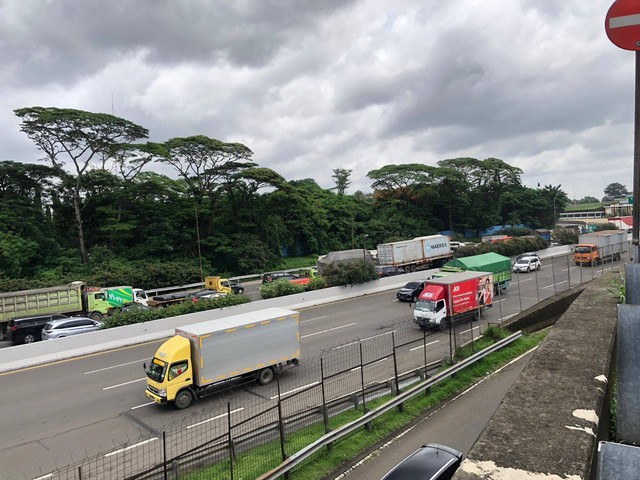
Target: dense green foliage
<point>120,220</point>
<point>349,273</point>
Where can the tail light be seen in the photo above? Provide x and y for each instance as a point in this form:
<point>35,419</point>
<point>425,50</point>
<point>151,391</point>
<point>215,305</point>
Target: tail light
<point>13,328</point>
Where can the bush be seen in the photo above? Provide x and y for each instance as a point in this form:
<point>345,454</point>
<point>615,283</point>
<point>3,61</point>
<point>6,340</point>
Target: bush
<point>141,316</point>
<point>349,273</point>
<point>316,283</point>
<point>280,288</point>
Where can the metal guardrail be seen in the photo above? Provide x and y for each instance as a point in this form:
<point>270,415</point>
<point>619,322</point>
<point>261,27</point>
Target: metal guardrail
<point>345,430</point>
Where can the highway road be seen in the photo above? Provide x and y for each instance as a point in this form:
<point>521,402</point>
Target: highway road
<point>62,413</point>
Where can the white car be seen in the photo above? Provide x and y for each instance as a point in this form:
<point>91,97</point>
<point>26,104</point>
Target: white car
<point>527,264</point>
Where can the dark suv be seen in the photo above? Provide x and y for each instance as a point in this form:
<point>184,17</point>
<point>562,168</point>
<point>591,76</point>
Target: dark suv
<point>29,329</point>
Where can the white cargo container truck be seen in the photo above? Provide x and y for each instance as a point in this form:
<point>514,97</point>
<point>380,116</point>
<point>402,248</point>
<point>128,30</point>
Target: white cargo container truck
<point>202,355</point>
<point>423,252</point>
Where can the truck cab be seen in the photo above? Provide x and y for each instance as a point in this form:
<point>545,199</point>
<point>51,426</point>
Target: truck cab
<point>586,253</point>
<point>223,285</point>
<point>431,308</point>
<point>169,376</point>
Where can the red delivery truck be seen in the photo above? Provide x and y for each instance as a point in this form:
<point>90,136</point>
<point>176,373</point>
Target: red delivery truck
<point>453,298</point>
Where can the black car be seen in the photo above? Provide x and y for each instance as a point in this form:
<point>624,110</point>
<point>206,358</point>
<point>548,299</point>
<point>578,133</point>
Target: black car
<point>388,271</point>
<point>410,292</point>
<point>29,329</point>
<point>431,462</point>
<point>236,287</point>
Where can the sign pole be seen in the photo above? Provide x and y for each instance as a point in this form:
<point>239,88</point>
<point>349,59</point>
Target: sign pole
<point>635,241</point>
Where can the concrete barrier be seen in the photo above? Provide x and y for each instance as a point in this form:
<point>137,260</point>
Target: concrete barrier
<point>549,423</point>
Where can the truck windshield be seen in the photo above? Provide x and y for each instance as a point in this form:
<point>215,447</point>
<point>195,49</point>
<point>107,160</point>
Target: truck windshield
<point>156,370</point>
<point>425,306</point>
<point>583,249</point>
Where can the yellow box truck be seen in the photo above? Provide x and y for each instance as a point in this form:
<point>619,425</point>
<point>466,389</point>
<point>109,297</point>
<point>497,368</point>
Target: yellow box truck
<point>202,355</point>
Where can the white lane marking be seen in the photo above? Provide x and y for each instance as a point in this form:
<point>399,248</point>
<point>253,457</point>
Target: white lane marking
<point>378,361</point>
<point>143,405</point>
<point>125,383</point>
<point>115,452</point>
<point>363,339</point>
<point>551,286</point>
<point>422,346</point>
<point>44,477</point>
<point>214,418</point>
<point>114,366</point>
<point>312,319</point>
<point>295,390</point>
<point>328,330</point>
<point>465,331</point>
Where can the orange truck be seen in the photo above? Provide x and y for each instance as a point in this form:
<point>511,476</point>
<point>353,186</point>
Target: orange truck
<point>598,247</point>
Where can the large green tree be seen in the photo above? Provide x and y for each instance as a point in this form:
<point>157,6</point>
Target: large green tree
<point>81,139</point>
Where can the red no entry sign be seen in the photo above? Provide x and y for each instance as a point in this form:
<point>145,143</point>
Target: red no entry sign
<point>622,24</point>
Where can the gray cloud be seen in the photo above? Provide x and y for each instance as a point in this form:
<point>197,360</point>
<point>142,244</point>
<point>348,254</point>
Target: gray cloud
<point>313,86</point>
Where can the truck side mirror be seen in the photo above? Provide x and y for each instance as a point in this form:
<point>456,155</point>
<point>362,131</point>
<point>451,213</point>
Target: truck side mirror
<point>144,365</point>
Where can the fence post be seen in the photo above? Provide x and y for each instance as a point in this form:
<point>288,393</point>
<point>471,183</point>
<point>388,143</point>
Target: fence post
<point>568,273</point>
<point>395,369</point>
<point>325,414</point>
<point>230,440</point>
<point>364,400</point>
<point>80,472</point>
<point>553,276</point>
<point>426,368</point>
<point>283,451</point>
<point>519,291</point>
<point>164,454</point>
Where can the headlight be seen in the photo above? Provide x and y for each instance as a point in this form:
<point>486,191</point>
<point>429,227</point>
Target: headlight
<point>162,392</point>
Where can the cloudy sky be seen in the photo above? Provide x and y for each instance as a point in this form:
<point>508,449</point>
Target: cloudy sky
<point>310,86</point>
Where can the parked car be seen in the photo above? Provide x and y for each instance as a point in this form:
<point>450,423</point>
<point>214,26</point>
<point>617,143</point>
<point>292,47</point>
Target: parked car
<point>29,329</point>
<point>527,264</point>
<point>69,326</point>
<point>388,271</point>
<point>430,462</point>
<point>410,292</point>
<point>273,276</point>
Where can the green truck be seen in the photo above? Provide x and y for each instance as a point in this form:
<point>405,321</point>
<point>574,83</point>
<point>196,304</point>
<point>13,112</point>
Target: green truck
<point>71,299</point>
<point>492,262</point>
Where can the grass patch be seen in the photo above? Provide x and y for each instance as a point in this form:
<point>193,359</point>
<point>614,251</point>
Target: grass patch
<point>257,461</point>
<point>288,263</point>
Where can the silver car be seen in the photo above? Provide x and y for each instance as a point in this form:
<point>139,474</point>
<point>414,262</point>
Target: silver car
<point>69,326</point>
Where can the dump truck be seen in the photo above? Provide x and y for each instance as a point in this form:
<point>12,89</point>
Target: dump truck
<point>201,356</point>
<point>492,262</point>
<point>598,247</point>
<point>423,252</point>
<point>71,299</point>
<point>453,298</point>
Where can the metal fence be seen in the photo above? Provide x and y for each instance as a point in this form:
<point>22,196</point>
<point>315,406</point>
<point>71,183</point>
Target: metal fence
<point>242,435</point>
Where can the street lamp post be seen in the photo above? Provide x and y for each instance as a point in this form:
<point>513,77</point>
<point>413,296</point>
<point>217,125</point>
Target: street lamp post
<point>364,249</point>
<point>554,207</point>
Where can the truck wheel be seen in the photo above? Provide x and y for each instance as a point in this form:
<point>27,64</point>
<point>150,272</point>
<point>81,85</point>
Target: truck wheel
<point>97,316</point>
<point>265,376</point>
<point>29,338</point>
<point>414,298</point>
<point>183,399</point>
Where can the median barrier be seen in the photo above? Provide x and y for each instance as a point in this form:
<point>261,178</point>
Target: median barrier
<point>22,356</point>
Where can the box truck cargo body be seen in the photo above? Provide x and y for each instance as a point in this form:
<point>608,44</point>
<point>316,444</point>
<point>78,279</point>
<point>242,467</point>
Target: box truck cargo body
<point>597,247</point>
<point>202,355</point>
<point>455,297</point>
<point>492,262</point>
<point>428,252</point>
